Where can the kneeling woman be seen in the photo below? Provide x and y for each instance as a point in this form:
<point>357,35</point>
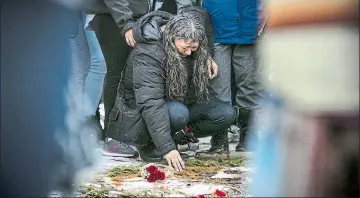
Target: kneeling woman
<point>167,81</point>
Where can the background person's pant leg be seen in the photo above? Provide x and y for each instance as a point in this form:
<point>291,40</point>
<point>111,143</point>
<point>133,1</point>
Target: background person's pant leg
<point>247,79</point>
<point>35,65</point>
<point>94,82</point>
<point>115,52</point>
<point>80,56</point>
<point>207,119</point>
<point>221,85</point>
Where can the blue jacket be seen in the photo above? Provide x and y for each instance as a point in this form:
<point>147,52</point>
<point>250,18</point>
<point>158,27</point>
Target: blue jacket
<point>234,21</point>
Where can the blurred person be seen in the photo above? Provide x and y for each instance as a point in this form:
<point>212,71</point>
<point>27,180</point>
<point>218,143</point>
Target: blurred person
<point>235,25</point>
<point>113,27</point>
<point>164,98</point>
<point>309,146</point>
<point>35,70</point>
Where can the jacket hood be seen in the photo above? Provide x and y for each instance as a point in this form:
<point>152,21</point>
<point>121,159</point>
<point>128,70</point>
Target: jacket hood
<point>148,28</point>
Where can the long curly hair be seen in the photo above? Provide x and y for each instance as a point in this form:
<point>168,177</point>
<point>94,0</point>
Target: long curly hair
<point>180,71</point>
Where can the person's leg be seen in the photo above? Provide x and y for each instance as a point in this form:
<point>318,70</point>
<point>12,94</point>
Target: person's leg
<point>95,79</point>
<point>221,85</point>
<point>178,117</point>
<point>94,83</point>
<point>249,88</point>
<point>80,57</point>
<point>211,119</point>
<point>115,52</point>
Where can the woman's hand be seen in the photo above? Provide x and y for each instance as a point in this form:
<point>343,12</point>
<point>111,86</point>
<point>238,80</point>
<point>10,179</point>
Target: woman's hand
<point>130,38</point>
<point>212,68</point>
<point>174,160</point>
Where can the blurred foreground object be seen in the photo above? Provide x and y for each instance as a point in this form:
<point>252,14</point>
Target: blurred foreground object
<point>35,66</point>
<point>310,140</point>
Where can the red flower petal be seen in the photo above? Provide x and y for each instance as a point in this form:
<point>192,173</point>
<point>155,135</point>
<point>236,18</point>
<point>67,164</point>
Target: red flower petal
<point>151,178</point>
<point>201,196</point>
<point>193,196</point>
<point>157,174</point>
<point>151,169</point>
<point>161,175</point>
<point>220,193</point>
<point>186,129</point>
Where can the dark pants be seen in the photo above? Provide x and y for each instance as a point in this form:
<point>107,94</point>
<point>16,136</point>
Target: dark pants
<point>115,52</point>
<point>207,119</point>
<point>238,81</point>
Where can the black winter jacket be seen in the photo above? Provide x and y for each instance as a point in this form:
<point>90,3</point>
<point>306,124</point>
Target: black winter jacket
<point>144,79</point>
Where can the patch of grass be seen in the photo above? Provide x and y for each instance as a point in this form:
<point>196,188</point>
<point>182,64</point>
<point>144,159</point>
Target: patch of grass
<point>199,169</point>
<point>119,174</point>
<point>124,170</point>
<point>215,162</point>
<point>91,191</point>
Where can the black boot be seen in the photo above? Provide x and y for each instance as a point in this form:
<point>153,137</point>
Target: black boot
<point>149,153</point>
<point>217,142</point>
<point>242,121</point>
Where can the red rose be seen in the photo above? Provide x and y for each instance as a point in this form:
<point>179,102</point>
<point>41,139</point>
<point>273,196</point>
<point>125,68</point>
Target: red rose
<point>220,193</point>
<point>193,197</point>
<point>186,129</point>
<point>151,169</point>
<point>201,196</point>
<point>151,178</point>
<point>160,175</point>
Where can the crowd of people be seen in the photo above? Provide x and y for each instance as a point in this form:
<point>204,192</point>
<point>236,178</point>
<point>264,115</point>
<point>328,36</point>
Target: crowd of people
<point>175,71</point>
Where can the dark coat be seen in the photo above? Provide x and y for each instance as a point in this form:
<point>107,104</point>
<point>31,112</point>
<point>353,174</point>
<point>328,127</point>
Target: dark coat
<point>144,89</point>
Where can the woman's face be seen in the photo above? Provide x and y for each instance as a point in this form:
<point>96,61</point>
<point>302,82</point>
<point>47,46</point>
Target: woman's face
<point>186,47</point>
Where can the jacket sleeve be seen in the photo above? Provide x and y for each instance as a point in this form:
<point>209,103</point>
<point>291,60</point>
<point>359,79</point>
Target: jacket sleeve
<point>181,4</point>
<point>121,13</point>
<point>149,87</point>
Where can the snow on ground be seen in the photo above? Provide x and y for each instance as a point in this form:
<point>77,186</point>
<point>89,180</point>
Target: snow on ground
<point>96,181</point>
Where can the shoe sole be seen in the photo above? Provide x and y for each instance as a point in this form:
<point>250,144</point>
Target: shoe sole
<point>110,154</point>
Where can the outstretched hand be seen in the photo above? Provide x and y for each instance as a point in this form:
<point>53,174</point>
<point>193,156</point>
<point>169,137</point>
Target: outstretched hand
<point>174,160</point>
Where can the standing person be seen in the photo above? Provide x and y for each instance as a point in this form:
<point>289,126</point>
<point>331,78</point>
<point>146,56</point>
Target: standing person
<point>113,29</point>
<point>94,82</point>
<point>88,77</point>
<point>235,31</point>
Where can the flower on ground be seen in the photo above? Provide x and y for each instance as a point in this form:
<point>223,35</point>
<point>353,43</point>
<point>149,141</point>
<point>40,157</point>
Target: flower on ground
<point>151,169</point>
<point>151,178</point>
<point>160,175</point>
<point>220,193</point>
<point>154,174</point>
